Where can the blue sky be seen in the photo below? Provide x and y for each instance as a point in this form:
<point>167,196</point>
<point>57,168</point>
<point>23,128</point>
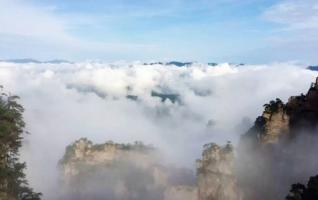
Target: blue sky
<point>249,31</point>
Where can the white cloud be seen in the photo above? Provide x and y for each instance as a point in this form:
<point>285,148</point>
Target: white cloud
<point>30,30</point>
<point>294,14</point>
<point>19,18</point>
<point>294,34</point>
<point>65,102</point>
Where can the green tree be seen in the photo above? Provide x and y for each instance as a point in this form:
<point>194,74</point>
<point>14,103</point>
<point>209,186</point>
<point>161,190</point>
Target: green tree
<point>301,192</point>
<point>273,107</point>
<point>296,192</point>
<point>13,183</point>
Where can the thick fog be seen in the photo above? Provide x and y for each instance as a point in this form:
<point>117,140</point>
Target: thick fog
<point>275,169</point>
<point>177,109</point>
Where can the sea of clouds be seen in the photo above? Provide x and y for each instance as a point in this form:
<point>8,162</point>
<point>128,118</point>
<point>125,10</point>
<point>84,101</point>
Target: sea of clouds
<point>120,102</point>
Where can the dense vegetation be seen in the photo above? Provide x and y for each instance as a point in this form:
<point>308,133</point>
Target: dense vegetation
<point>13,184</point>
<point>299,191</point>
<point>273,107</point>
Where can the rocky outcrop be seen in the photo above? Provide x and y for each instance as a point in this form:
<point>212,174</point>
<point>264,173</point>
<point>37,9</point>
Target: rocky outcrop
<point>303,110</point>
<point>135,171</point>
<point>120,171</point>
<point>215,174</point>
<point>280,148</point>
<point>116,171</point>
<point>216,179</point>
<point>279,120</point>
<point>272,125</point>
<point>84,153</point>
<point>276,126</point>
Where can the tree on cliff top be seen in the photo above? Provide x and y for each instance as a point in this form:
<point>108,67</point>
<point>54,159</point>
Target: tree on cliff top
<point>273,107</point>
<point>13,184</point>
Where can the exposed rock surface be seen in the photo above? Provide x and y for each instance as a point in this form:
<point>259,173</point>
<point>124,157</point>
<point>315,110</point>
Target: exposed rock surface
<point>84,153</point>
<point>281,120</point>
<point>303,110</point>
<point>281,148</point>
<point>216,179</point>
<point>277,124</point>
<point>123,171</point>
<point>117,171</point>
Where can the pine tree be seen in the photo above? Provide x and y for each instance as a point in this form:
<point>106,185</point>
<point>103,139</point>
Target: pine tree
<point>13,183</point>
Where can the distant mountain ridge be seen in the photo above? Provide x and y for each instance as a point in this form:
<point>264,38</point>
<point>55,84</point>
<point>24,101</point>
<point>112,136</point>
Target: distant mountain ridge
<point>60,61</point>
<point>313,68</point>
<point>186,64</point>
<point>169,63</point>
<point>176,63</point>
<point>30,60</point>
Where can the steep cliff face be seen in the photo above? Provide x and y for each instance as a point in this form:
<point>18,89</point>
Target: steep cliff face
<point>279,120</point>
<point>83,153</point>
<point>215,174</point>
<point>216,179</point>
<point>277,125</point>
<point>116,171</point>
<point>280,148</point>
<point>119,171</point>
<point>123,171</point>
<point>303,110</point>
